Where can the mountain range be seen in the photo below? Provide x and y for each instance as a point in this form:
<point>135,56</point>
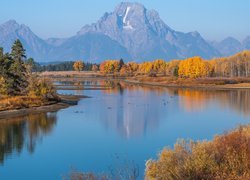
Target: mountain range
<point>131,32</point>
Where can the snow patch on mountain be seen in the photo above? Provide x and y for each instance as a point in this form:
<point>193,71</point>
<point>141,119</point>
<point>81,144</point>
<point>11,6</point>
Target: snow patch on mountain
<point>126,24</point>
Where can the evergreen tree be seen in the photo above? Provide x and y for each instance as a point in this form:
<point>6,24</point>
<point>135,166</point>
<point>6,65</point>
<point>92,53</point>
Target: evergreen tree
<point>30,65</point>
<point>18,69</point>
<point>1,62</point>
<point>121,63</point>
<point>1,52</point>
<point>5,73</point>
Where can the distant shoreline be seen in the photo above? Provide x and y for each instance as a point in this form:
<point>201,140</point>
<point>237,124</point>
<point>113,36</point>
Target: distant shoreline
<point>211,87</point>
<point>161,81</point>
<point>142,80</point>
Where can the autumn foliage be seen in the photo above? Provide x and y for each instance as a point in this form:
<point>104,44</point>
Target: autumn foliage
<point>237,65</point>
<point>194,67</point>
<point>111,66</point>
<point>78,66</point>
<point>226,157</point>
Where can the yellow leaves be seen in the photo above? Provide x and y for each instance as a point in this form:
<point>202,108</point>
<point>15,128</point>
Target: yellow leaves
<point>159,65</point>
<point>226,157</point>
<point>41,87</point>
<point>133,66</point>
<point>124,70</point>
<point>2,81</point>
<point>78,66</point>
<point>151,169</point>
<point>110,66</point>
<point>3,86</point>
<point>146,67</point>
<point>194,67</point>
<point>172,68</point>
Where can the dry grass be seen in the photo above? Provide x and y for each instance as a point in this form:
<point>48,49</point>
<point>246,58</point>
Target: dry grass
<point>160,79</point>
<point>226,157</point>
<point>21,102</point>
<point>189,82</point>
<point>70,73</point>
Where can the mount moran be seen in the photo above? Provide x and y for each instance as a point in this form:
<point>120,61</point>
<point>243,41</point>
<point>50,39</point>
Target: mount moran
<point>130,32</point>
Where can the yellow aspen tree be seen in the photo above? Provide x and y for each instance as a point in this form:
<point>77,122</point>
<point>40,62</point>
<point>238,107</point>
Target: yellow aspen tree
<point>78,66</point>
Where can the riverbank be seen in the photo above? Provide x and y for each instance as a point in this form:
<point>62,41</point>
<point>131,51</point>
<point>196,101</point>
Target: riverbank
<point>64,101</point>
<point>189,84</point>
<point>227,156</point>
<point>158,80</point>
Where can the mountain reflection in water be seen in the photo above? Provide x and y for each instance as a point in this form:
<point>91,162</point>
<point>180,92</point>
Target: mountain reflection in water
<point>131,111</point>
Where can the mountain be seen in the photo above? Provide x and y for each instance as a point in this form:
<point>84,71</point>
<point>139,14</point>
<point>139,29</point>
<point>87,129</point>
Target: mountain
<point>11,30</point>
<point>89,46</point>
<point>131,32</point>
<point>228,46</point>
<point>146,36</point>
<point>246,43</point>
<point>55,41</point>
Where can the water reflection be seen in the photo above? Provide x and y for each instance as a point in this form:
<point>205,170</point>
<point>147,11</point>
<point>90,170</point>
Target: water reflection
<point>134,110</point>
<point>199,100</point>
<point>19,133</point>
<point>129,120</point>
<point>193,100</point>
<point>130,116</point>
<point>140,113</point>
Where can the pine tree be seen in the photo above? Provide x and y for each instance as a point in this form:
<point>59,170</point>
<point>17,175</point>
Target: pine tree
<point>1,62</point>
<point>18,69</point>
<point>5,73</point>
<point>121,63</point>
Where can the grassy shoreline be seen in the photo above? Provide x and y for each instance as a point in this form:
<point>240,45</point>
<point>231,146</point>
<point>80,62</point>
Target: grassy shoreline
<point>191,86</point>
<point>23,109</point>
<point>159,80</point>
<point>23,105</point>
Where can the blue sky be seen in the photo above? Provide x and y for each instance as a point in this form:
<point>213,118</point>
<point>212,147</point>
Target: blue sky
<point>214,19</point>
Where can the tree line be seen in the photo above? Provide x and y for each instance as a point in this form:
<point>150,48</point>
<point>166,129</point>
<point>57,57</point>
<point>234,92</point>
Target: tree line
<point>61,66</point>
<point>237,65</point>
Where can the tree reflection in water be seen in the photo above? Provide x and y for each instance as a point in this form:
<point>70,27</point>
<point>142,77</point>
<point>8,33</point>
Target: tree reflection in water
<point>24,132</point>
<point>195,100</point>
<point>198,100</point>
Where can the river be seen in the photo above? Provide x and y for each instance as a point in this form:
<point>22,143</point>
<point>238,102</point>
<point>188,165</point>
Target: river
<point>115,129</point>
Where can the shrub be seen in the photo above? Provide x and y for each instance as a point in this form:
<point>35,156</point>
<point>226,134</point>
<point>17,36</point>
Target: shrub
<point>3,86</point>
<point>226,157</point>
<point>41,87</point>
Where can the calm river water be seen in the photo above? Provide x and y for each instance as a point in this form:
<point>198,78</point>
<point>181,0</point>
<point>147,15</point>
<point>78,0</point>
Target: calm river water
<point>114,129</point>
